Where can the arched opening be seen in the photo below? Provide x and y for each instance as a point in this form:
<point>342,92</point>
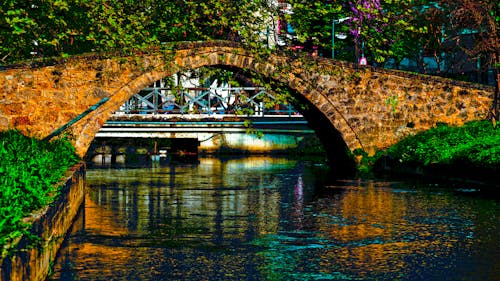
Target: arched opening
<point>334,146</point>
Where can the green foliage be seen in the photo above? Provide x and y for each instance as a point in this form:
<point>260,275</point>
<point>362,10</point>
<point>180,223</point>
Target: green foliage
<point>389,31</point>
<point>476,144</point>
<point>385,30</point>
<point>312,21</point>
<point>382,29</point>
<point>393,102</point>
<point>40,29</point>
<point>29,170</point>
<point>120,25</point>
<point>395,33</point>
<point>251,130</point>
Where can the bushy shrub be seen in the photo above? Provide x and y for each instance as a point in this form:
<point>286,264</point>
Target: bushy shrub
<point>29,170</point>
<point>476,143</point>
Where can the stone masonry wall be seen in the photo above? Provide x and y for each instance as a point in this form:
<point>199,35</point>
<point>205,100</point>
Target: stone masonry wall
<point>30,262</point>
<point>372,108</point>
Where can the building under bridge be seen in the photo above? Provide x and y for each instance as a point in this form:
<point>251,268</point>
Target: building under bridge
<point>160,121</point>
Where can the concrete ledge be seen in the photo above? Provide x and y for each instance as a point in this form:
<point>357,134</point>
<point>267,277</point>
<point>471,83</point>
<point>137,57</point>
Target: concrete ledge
<point>32,261</point>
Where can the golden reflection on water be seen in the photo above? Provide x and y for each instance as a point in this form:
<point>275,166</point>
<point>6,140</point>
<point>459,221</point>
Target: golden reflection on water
<point>102,220</point>
<point>385,231</point>
<point>258,216</point>
<point>211,195</point>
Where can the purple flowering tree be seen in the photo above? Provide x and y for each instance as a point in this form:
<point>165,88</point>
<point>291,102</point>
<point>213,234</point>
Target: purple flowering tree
<point>365,16</point>
<point>380,28</point>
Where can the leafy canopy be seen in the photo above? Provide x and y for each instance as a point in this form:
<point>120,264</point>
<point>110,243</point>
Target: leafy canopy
<point>62,27</point>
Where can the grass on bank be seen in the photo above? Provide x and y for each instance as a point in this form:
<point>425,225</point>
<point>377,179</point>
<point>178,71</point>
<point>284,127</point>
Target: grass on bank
<point>29,170</point>
<point>476,144</point>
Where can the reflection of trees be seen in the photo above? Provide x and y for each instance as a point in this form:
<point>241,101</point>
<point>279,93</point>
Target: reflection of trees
<point>357,231</point>
<point>380,230</point>
<point>222,198</point>
<point>215,203</point>
<point>364,223</point>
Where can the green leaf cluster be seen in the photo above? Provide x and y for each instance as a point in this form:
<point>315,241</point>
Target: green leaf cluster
<point>40,29</point>
<point>29,172</point>
<point>312,21</point>
<point>476,144</point>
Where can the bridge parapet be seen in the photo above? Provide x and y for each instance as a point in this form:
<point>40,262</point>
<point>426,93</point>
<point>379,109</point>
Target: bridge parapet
<point>368,107</point>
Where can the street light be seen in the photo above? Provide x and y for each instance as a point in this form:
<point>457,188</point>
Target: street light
<point>340,36</point>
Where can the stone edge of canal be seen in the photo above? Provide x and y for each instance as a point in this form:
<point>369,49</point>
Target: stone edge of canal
<point>51,224</point>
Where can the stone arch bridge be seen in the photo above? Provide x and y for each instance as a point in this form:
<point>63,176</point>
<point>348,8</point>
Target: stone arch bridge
<point>350,106</point>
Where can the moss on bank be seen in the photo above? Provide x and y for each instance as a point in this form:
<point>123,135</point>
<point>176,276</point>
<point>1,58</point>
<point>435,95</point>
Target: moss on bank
<point>29,171</point>
<point>472,150</point>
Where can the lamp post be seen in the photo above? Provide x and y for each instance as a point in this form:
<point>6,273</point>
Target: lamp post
<point>341,36</point>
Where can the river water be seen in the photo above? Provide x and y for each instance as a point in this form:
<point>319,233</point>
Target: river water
<point>265,218</point>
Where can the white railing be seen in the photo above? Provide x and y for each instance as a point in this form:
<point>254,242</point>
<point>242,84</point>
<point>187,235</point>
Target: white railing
<point>249,101</point>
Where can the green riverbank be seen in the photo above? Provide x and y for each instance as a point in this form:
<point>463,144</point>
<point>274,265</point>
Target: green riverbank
<point>29,171</point>
<point>470,152</point>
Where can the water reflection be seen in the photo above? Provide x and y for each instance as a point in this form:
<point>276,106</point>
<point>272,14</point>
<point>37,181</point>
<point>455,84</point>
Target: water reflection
<point>263,218</point>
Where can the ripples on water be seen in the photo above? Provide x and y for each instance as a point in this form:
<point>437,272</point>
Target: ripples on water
<point>263,218</point>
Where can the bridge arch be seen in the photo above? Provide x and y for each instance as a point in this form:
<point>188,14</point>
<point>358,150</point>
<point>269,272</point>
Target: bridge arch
<point>330,133</point>
<point>366,107</point>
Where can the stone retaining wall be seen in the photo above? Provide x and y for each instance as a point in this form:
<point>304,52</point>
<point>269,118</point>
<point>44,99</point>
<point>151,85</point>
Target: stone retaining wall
<point>32,263</point>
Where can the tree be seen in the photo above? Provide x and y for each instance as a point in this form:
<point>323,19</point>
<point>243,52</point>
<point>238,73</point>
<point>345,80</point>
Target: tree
<point>61,27</point>
<point>383,29</point>
<point>120,25</point>
<point>312,22</point>
<point>431,43</point>
<point>480,19</point>
<point>45,28</point>
<point>379,28</point>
